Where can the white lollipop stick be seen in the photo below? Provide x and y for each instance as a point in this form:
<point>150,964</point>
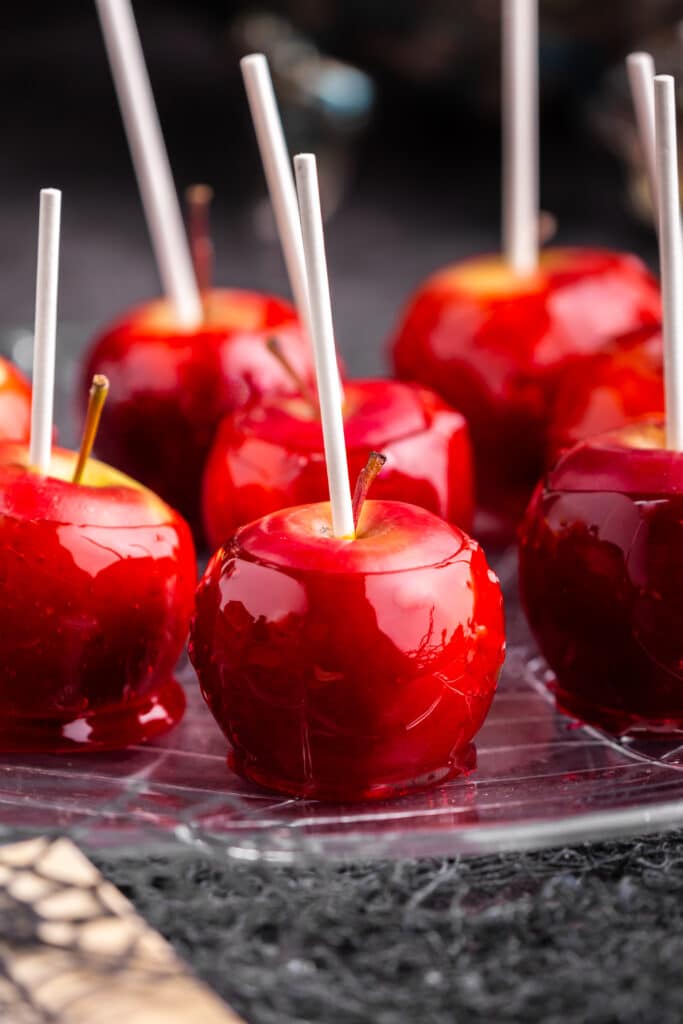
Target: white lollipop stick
<point>670,256</point>
<point>322,336</point>
<point>520,134</point>
<point>47,277</point>
<point>150,159</point>
<point>641,77</point>
<point>278,170</point>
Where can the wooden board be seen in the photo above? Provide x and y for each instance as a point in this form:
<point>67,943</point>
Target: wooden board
<point>74,951</point>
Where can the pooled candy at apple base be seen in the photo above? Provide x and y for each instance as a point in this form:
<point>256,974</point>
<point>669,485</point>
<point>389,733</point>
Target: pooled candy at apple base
<point>601,564</point>
<point>171,386</point>
<point>270,455</point>
<point>496,345</point>
<point>15,403</point>
<point>619,385</point>
<point>96,590</point>
<point>349,669</point>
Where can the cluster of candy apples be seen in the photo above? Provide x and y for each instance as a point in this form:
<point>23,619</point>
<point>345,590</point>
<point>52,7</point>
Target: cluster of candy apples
<point>372,649</point>
<point>222,419</point>
<point>374,657</point>
<point>349,649</point>
<point>211,391</point>
<point>366,636</point>
<point>228,412</point>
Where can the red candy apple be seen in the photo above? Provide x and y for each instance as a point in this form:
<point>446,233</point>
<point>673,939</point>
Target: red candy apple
<point>15,403</point>
<point>496,345</point>
<point>170,387</point>
<point>349,668</point>
<point>611,389</point>
<point>601,563</point>
<point>96,591</point>
<point>270,456</point>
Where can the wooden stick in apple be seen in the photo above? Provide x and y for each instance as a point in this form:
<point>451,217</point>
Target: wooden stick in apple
<point>670,255</point>
<point>520,134</point>
<point>641,75</point>
<point>322,337</point>
<point>99,389</point>
<point>47,277</point>
<point>150,159</point>
<point>278,171</point>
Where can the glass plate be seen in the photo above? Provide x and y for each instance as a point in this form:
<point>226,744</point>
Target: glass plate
<point>542,779</point>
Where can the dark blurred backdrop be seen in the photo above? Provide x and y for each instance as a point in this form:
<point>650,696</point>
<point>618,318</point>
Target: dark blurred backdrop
<point>398,98</point>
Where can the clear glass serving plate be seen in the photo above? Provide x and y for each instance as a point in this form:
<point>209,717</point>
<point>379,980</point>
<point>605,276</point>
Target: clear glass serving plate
<point>541,779</point>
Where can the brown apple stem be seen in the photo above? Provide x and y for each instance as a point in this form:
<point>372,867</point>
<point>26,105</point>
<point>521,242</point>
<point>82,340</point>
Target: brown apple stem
<point>303,387</point>
<point>98,393</point>
<point>198,204</point>
<point>364,482</point>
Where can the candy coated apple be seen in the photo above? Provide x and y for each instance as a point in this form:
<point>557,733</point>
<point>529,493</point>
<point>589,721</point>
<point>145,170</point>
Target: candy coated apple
<point>349,669</point>
<point>270,456</point>
<point>611,389</point>
<point>601,562</point>
<point>96,592</point>
<point>15,403</point>
<point>495,345</point>
<point>170,387</point>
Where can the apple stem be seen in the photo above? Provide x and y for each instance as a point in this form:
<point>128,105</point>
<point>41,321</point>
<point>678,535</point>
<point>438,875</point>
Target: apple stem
<point>364,482</point>
<point>98,394</point>
<point>198,204</point>
<point>303,387</point>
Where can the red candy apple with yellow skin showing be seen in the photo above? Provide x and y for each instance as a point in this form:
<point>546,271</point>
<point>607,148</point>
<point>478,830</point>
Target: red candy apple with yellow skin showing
<point>349,669</point>
<point>496,345</point>
<point>270,456</point>
<point>620,385</point>
<point>170,387</point>
<point>15,403</point>
<point>601,563</point>
<point>96,592</point>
